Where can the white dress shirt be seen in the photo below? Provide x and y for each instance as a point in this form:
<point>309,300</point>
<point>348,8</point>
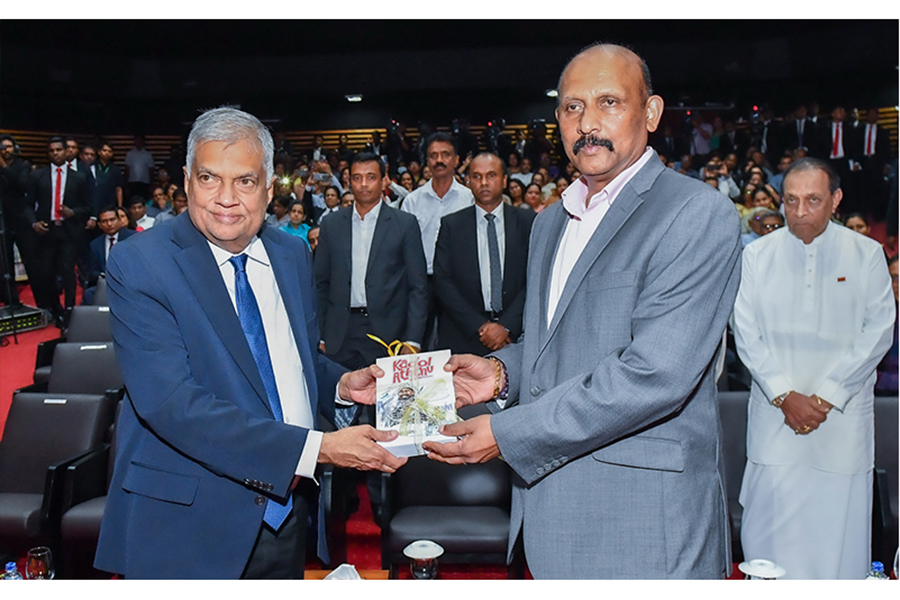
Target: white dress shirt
<point>484,255</point>
<point>362,232</point>
<point>428,208</point>
<point>285,356</point>
<point>816,319</point>
<point>582,225</point>
<point>109,243</point>
<point>145,222</point>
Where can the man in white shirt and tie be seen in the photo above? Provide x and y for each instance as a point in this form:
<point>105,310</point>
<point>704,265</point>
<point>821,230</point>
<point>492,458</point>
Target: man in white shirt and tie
<point>813,317</point>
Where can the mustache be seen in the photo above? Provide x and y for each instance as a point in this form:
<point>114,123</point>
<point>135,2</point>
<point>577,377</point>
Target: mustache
<point>591,140</point>
<point>440,165</point>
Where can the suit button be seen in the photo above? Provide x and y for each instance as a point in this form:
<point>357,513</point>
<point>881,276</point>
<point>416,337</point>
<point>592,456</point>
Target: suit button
<point>536,391</point>
<point>269,487</point>
<point>540,470</point>
<point>260,500</point>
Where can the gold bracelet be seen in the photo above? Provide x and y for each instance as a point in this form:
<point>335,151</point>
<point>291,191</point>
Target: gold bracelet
<point>498,373</point>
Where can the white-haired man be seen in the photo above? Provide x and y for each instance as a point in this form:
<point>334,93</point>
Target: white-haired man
<point>215,330</point>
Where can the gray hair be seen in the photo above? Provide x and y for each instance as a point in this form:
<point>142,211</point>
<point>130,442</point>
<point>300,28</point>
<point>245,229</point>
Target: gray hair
<point>230,125</point>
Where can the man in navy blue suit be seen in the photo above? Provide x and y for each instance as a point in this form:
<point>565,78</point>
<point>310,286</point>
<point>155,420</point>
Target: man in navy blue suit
<point>112,232</point>
<point>215,329</point>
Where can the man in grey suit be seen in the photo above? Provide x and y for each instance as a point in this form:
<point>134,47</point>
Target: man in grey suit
<point>610,417</point>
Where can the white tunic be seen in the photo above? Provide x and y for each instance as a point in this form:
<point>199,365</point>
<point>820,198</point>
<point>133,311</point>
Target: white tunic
<point>814,318</point>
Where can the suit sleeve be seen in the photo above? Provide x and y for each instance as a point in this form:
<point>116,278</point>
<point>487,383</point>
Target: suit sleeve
<point>417,280</point>
<point>172,400</point>
<point>677,324</point>
<point>446,290</point>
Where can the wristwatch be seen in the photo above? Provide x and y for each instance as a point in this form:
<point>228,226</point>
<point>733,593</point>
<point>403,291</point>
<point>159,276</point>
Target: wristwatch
<point>777,401</point>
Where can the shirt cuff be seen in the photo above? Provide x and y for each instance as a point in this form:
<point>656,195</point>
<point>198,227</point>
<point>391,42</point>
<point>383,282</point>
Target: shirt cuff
<point>415,345</point>
<point>310,456</point>
<point>340,401</point>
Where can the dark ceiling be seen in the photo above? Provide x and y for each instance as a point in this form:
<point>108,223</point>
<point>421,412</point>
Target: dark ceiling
<point>117,76</point>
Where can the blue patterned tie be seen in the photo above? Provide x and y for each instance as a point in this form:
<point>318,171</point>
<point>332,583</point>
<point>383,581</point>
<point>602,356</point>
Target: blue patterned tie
<point>251,323</point>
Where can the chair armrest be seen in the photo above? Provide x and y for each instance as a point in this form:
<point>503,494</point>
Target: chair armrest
<point>44,357</point>
<point>38,388</point>
<point>85,478</point>
<point>51,514</point>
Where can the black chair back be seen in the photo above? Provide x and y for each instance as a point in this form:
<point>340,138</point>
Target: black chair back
<point>89,324</point>
<point>101,295</point>
<point>44,429</point>
<point>86,368</point>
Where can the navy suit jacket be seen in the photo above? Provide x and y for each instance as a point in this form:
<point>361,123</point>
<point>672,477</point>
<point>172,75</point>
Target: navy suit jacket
<point>198,449</point>
<point>97,254</point>
<point>457,279</point>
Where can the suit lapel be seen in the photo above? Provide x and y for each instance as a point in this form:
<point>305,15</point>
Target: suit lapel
<point>547,251</point>
<point>382,228</point>
<point>511,239</point>
<point>284,266</point>
<point>345,220</point>
<point>203,277</point>
<point>628,200</point>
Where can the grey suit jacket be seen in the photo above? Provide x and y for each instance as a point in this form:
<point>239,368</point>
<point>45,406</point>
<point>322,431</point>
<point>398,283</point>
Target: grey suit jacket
<point>396,278</point>
<point>614,427</point>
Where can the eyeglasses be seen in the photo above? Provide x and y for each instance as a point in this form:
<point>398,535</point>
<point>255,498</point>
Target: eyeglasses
<point>771,226</point>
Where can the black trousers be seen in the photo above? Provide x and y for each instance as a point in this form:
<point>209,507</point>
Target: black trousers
<point>58,252</point>
<point>282,554</point>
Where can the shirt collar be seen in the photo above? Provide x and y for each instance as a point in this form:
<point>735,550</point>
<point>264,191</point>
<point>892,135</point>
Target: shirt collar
<point>372,215</point>
<point>255,251</point>
<point>480,212</point>
<point>454,187</point>
<point>574,196</point>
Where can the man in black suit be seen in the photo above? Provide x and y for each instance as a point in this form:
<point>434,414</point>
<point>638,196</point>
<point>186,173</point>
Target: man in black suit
<point>370,272</point>
<point>61,208</point>
<point>482,310</point>
<point>113,232</point>
<point>371,277</point>
<point>874,153</point>
<point>14,173</point>
<point>799,131</point>
<point>839,147</point>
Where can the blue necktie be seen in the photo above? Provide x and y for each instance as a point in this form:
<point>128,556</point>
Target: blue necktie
<point>251,323</point>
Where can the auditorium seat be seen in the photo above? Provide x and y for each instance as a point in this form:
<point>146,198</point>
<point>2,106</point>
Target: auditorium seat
<point>885,519</point>
<point>464,508</point>
<point>43,434</point>
<point>86,324</point>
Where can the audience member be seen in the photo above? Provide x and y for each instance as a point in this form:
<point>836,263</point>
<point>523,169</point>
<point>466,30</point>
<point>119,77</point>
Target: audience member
<point>812,320</point>
<point>137,211</point>
<point>179,204</point>
<point>479,266</point>
<point>139,166</point>
<point>439,197</point>
<point>113,232</point>
<point>14,182</point>
<point>296,224</point>
<point>60,211</point>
